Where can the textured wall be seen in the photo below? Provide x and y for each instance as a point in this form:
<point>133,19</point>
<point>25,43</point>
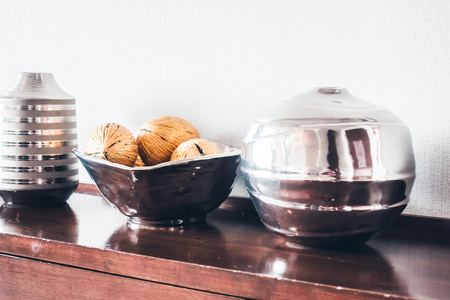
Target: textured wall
<point>219,64</point>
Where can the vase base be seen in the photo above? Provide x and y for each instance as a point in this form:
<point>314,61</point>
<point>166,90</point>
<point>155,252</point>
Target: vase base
<point>37,198</point>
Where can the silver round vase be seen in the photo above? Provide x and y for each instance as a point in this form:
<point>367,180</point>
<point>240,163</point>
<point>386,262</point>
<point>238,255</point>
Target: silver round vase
<point>325,168</point>
<point>37,134</point>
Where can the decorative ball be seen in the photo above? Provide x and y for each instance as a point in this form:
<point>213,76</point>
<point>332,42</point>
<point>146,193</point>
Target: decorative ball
<point>189,129</point>
<point>160,136</point>
<point>139,162</point>
<point>194,148</point>
<point>112,142</point>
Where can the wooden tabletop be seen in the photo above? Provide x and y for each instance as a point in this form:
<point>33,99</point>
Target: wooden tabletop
<point>229,254</point>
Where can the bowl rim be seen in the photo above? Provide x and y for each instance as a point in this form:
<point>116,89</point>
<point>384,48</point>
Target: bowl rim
<point>225,151</point>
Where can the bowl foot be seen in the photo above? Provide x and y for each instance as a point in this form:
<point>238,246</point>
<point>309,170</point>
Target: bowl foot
<point>164,223</point>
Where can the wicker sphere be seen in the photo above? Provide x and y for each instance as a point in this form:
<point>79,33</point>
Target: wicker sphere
<point>160,136</point>
<point>189,129</point>
<point>139,162</point>
<point>194,148</point>
<point>112,142</point>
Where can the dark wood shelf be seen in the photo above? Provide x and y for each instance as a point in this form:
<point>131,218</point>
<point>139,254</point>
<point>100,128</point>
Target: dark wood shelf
<point>86,250</point>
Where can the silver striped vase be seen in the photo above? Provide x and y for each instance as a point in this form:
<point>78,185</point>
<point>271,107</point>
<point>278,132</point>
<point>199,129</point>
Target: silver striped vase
<point>37,134</point>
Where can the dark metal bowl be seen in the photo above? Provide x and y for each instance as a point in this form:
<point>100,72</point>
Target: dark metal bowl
<point>170,193</point>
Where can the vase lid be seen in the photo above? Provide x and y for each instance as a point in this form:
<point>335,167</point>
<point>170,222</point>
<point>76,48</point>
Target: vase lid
<point>322,105</point>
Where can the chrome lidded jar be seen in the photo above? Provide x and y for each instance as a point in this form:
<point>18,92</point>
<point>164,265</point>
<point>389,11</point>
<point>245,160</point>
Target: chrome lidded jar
<point>37,134</point>
<point>325,168</point>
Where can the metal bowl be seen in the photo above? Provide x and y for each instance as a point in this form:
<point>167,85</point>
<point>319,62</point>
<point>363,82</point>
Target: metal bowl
<point>171,193</point>
<point>325,168</point>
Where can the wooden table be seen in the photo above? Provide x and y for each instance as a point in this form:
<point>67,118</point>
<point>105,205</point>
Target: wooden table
<point>86,250</point>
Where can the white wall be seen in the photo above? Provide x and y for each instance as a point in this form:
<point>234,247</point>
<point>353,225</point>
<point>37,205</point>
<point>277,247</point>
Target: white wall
<point>219,64</point>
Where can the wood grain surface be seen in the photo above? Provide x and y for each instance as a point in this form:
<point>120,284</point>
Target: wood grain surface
<point>229,254</point>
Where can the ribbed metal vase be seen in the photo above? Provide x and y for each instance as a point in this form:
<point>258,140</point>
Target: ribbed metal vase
<point>37,134</point>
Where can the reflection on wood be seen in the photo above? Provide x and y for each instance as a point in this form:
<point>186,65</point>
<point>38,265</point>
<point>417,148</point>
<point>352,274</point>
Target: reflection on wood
<point>88,243</point>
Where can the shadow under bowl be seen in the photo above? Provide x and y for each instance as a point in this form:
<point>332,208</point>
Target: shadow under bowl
<point>171,193</point>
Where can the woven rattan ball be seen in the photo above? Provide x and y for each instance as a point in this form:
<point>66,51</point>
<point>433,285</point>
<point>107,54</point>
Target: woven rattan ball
<point>112,142</point>
<point>160,136</point>
<point>194,148</point>
<point>139,162</point>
